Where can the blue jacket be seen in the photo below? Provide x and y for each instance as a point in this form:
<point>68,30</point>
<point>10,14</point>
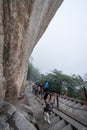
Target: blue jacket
<point>46,85</point>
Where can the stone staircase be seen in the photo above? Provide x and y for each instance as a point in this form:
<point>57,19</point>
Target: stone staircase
<point>61,121</point>
<point>68,127</point>
<point>75,109</point>
<point>61,118</point>
<point>59,125</point>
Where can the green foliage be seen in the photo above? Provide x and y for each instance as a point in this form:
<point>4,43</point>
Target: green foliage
<point>63,83</point>
<point>58,81</point>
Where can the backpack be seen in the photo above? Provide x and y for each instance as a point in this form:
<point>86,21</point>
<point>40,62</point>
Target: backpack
<point>46,95</point>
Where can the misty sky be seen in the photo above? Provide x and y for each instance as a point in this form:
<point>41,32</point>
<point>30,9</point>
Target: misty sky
<point>64,44</point>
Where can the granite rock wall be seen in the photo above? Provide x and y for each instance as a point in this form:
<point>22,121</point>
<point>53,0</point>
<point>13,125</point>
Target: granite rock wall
<point>22,23</point>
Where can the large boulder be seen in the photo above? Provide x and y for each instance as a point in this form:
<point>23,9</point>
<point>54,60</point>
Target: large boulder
<point>6,109</point>
<point>26,108</point>
<point>14,119</point>
<point>4,125</point>
<point>21,123</point>
<point>22,23</point>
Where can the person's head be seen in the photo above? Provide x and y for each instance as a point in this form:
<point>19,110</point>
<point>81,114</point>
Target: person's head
<point>53,92</point>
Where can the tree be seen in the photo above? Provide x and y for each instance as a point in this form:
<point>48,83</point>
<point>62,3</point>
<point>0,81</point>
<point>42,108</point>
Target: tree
<point>59,82</point>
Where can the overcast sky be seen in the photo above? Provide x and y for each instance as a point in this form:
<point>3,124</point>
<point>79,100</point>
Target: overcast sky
<point>64,44</point>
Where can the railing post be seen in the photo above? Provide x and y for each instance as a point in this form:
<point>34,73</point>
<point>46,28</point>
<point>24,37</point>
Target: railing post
<point>57,101</point>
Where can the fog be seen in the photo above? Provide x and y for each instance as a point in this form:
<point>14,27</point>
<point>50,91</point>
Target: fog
<point>64,44</point>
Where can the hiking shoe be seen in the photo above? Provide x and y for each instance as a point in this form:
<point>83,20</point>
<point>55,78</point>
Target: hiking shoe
<point>48,121</point>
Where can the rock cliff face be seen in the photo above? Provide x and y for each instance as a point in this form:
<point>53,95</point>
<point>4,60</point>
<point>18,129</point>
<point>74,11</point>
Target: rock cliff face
<point>22,24</point>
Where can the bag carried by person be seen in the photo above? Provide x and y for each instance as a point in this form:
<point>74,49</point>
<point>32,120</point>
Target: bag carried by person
<point>46,95</point>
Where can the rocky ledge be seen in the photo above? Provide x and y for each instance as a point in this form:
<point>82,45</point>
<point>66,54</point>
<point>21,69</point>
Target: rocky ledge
<point>22,116</point>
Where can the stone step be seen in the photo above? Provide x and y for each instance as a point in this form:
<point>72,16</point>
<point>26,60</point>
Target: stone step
<point>59,126</point>
<point>67,103</point>
<point>82,116</point>
<point>81,112</point>
<point>68,127</point>
<point>54,121</point>
<point>44,125</point>
<point>25,108</point>
<point>71,121</point>
<point>65,107</point>
<point>74,109</point>
<point>52,116</point>
<point>84,107</point>
<point>77,105</point>
<point>72,103</point>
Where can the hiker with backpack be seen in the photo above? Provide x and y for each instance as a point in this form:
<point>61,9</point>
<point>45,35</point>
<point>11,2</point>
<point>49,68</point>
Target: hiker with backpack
<point>53,99</point>
<point>49,99</point>
<point>47,107</point>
